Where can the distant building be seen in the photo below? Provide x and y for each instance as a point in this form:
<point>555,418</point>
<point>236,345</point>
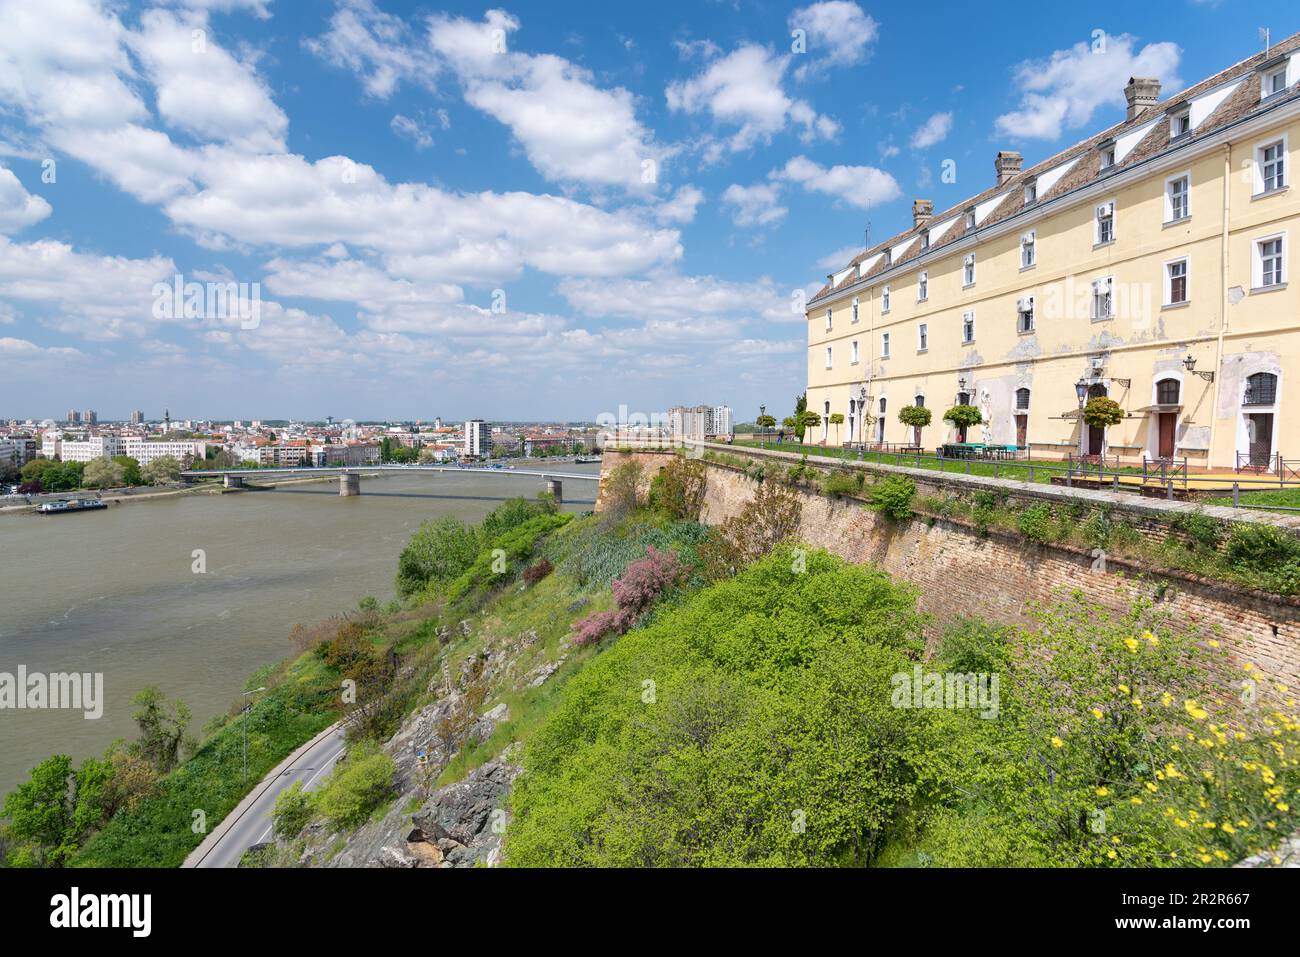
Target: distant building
<point>145,451</point>
<point>72,450</point>
<point>90,417</point>
<point>137,417</point>
<point>699,422</point>
<point>477,438</point>
<point>74,417</point>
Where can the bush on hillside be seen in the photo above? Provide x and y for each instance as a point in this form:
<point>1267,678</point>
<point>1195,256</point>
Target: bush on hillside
<point>439,551</point>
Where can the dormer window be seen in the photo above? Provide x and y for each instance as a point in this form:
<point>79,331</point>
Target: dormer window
<point>1180,124</point>
<point>1107,155</point>
<point>925,239</point>
<point>970,218</point>
<point>888,257</point>
<point>1274,82</point>
<point>1031,192</point>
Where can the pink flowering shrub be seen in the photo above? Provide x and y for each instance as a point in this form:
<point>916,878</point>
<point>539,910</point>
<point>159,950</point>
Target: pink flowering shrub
<point>643,582</point>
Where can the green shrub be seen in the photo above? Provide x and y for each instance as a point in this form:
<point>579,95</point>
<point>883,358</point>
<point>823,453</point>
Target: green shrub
<point>1097,529</point>
<point>1037,524</point>
<point>677,492</point>
<point>503,558</point>
<point>293,810</point>
<point>356,787</point>
<point>514,512</point>
<point>893,496</point>
<point>842,483</point>
<point>974,645</point>
<point>440,550</point>
<point>1260,548</point>
<point>1203,530</point>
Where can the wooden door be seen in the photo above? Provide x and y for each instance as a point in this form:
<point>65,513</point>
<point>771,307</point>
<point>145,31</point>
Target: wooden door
<point>1022,430</point>
<point>1261,438</point>
<point>1167,422</point>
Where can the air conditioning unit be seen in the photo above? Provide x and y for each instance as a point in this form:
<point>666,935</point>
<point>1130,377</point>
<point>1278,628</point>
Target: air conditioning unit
<point>1098,363</point>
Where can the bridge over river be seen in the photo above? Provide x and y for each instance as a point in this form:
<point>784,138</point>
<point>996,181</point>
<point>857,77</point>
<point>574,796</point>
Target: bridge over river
<point>350,475</point>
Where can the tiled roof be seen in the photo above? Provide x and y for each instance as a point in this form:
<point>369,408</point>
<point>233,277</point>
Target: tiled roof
<point>1237,105</point>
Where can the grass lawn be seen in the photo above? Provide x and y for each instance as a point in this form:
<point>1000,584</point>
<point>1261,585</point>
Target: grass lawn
<point>1279,498</point>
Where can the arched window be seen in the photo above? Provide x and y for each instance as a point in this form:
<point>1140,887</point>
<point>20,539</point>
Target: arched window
<point>1261,389</point>
<point>920,402</point>
<point>1022,398</point>
<point>1167,392</point>
<point>963,398</point>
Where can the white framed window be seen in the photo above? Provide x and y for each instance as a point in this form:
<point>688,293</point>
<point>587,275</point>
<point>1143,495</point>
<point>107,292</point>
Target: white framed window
<point>884,345</point>
<point>1178,197</point>
<point>828,319</point>
<point>968,270</point>
<point>1273,81</point>
<point>967,327</point>
<point>1031,193</point>
<point>970,218</point>
<point>884,300</point>
<point>1269,266</point>
<point>855,309</point>
<point>1270,166</point>
<point>1025,314</point>
<point>1180,124</point>
<point>923,287</point>
<point>1103,300</point>
<point>1107,157</point>
<point>1022,400</point>
<point>828,357</point>
<point>1028,249</point>
<point>1104,224</point>
<point>1175,282</point>
<point>925,239</point>
<point>854,352</point>
<point>923,337</point>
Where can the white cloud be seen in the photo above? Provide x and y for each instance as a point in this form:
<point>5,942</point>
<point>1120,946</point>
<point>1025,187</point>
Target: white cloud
<point>743,90</point>
<point>18,208</point>
<point>570,129</point>
<point>932,131</point>
<point>757,205</point>
<point>22,348</point>
<point>671,297</point>
<point>201,89</point>
<point>1064,90</point>
<point>681,208</point>
<point>376,46</point>
<point>838,32</point>
<point>861,186</point>
<point>838,258</point>
<point>408,128</point>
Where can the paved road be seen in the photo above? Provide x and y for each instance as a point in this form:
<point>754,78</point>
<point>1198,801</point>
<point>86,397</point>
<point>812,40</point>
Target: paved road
<point>250,822</point>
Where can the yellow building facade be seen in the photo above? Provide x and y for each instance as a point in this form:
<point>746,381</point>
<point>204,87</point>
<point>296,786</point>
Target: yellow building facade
<point>1149,263</point>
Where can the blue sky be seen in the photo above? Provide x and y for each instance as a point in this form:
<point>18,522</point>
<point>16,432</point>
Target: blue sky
<point>540,210</point>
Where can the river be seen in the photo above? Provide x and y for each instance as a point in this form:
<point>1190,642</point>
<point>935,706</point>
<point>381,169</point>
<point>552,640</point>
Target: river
<point>115,592</point>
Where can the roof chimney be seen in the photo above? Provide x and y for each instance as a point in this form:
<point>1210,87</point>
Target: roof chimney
<point>1007,164</point>
<point>1142,92</point>
<point>922,211</point>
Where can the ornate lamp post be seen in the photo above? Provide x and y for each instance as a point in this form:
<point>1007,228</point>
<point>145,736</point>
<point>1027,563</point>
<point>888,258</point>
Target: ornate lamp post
<point>1190,365</point>
<point>762,417</point>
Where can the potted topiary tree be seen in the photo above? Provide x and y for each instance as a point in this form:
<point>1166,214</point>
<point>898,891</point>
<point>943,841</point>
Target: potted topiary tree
<point>836,419</point>
<point>963,417</point>
<point>1101,412</point>
<point>918,417</point>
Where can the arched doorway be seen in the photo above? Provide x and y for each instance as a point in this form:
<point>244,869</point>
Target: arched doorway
<point>1096,433</point>
<point>1022,417</point>
<point>1167,393</point>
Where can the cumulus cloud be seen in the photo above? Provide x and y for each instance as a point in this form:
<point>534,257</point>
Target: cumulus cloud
<point>1064,90</point>
<point>932,131</point>
<point>757,205</point>
<point>861,186</point>
<point>743,90</point>
<point>839,33</point>
<point>673,297</point>
<point>409,129</point>
<point>378,47</point>
<point>18,208</point>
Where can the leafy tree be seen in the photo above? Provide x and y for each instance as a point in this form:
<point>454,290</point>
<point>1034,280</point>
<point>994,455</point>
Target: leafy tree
<point>622,490</point>
<point>293,810</point>
<point>440,550</point>
<point>103,473</point>
<point>131,474</point>
<point>163,725</point>
<point>678,490</point>
<point>162,470</point>
<point>770,518</point>
<point>963,417</point>
<point>836,419</point>
<point>917,416</point>
<point>1102,411</point>
<point>807,419</point>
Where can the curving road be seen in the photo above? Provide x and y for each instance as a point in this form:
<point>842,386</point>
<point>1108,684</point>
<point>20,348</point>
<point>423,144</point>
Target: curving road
<point>250,822</point>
